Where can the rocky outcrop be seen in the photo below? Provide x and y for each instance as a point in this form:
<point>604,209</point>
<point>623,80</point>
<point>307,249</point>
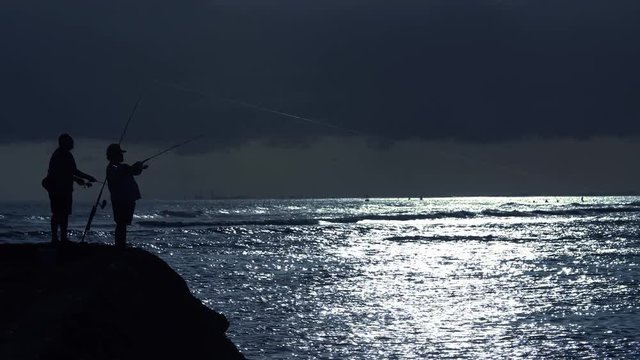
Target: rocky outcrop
<point>89,301</point>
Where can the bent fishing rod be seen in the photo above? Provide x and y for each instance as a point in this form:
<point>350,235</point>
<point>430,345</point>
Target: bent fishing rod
<point>104,203</point>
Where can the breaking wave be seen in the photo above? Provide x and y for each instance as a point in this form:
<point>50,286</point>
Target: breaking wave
<point>413,238</point>
<point>275,222</point>
<point>591,211</point>
<point>181,214</point>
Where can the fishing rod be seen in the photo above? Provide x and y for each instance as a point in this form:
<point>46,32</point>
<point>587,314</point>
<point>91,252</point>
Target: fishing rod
<point>104,202</point>
<point>172,147</point>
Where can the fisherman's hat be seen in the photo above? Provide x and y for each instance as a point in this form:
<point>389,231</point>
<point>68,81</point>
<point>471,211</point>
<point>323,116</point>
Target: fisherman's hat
<point>114,149</point>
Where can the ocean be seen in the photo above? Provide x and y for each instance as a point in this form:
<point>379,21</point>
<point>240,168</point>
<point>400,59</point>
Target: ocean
<point>476,278</point>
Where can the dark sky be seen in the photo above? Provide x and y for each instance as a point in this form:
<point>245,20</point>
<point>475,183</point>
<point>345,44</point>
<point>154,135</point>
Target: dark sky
<point>483,73</point>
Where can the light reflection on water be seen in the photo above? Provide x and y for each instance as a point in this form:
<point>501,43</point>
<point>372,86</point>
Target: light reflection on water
<point>537,280</point>
<point>481,287</point>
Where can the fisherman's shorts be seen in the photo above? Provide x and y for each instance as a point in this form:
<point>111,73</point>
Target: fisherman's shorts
<point>60,202</point>
<point>123,211</point>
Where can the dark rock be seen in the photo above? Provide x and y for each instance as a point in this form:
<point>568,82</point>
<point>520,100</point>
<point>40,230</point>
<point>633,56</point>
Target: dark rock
<point>89,301</point>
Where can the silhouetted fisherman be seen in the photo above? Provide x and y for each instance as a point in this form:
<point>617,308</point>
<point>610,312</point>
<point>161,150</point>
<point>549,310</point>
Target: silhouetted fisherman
<point>59,184</point>
<point>124,190</point>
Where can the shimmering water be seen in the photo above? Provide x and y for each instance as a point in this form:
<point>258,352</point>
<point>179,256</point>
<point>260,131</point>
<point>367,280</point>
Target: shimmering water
<point>398,278</point>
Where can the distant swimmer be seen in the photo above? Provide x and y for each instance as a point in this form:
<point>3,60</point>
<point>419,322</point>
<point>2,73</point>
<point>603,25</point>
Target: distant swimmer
<point>124,190</point>
<point>59,184</point>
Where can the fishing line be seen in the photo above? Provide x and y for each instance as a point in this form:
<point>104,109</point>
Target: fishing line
<point>265,109</point>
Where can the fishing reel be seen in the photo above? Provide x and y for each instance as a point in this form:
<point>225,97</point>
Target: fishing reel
<point>86,184</point>
<point>82,183</point>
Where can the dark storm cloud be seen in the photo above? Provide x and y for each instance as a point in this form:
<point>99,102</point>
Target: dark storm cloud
<point>467,70</point>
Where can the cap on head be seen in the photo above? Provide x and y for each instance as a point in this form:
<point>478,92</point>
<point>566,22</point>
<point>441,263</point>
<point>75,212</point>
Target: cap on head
<point>114,152</point>
<point>65,141</point>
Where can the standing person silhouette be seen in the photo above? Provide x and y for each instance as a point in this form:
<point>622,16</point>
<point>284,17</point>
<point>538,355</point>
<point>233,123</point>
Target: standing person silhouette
<point>59,184</point>
<point>124,190</point>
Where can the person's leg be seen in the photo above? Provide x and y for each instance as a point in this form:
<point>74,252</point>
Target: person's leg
<point>64,225</point>
<point>66,201</point>
<point>121,235</point>
<point>123,215</point>
<point>121,223</point>
<point>130,209</point>
<point>54,228</point>
<point>54,217</point>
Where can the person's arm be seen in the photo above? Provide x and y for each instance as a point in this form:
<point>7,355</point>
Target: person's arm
<point>136,169</point>
<point>79,174</point>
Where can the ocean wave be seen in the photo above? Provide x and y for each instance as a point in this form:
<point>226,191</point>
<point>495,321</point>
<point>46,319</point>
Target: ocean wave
<point>181,213</point>
<point>504,213</point>
<point>587,205</point>
<point>37,218</point>
<point>413,238</point>
<point>14,234</point>
<point>509,204</point>
<point>591,211</point>
<point>183,224</point>
<point>307,221</point>
<point>402,217</point>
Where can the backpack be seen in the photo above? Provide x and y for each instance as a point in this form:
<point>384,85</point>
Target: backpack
<point>46,183</point>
